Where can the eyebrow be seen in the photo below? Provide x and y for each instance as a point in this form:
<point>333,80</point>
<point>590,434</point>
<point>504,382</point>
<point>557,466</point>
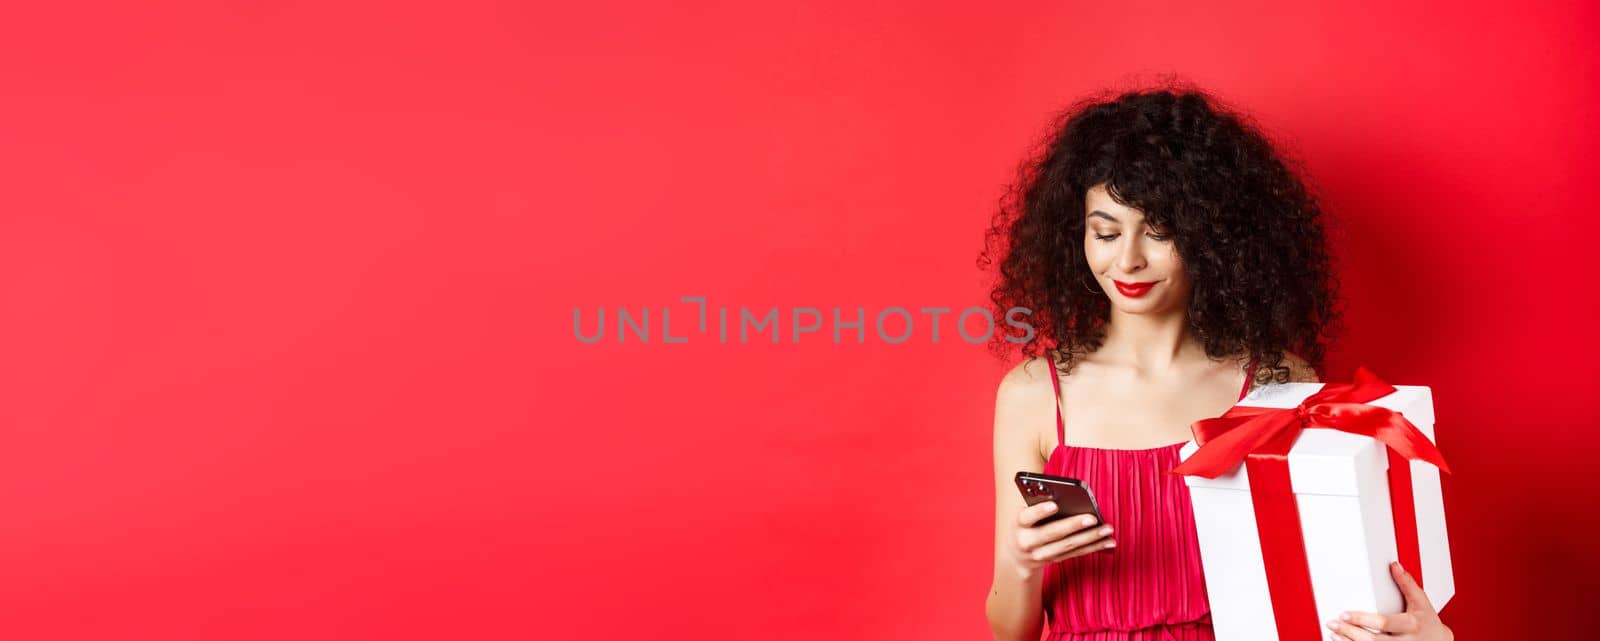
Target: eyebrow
<point>1104,215</point>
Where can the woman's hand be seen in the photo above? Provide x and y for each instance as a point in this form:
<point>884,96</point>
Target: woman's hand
<point>1035,546</point>
<point>1419,623</point>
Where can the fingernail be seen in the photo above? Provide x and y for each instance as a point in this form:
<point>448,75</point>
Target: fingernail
<point>1333,625</point>
<point>1088,520</point>
<point>1111,544</point>
<point>1344,616</point>
<point>1050,507</point>
<point>1105,530</point>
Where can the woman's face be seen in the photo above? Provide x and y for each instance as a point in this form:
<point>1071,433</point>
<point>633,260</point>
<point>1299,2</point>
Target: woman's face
<point>1122,249</point>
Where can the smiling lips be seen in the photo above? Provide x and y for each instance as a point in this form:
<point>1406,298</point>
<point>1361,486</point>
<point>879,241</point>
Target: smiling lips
<point>1134,290</point>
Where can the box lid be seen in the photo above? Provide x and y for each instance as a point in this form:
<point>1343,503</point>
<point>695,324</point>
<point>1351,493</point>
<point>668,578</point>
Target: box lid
<point>1325,461</point>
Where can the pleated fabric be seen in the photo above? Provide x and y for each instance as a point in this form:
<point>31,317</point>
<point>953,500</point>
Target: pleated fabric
<point>1150,586</point>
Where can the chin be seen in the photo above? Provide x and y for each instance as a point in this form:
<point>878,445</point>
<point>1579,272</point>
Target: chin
<point>1144,306</point>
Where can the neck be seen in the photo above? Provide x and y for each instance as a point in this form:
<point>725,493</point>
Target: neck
<point>1146,342</point>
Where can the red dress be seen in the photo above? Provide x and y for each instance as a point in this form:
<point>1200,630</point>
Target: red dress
<point>1149,587</point>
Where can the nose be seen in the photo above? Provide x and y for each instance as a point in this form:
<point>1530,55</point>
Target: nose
<point>1131,258</point>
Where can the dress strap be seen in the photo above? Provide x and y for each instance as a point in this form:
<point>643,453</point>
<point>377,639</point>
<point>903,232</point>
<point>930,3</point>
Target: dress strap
<point>1055,383</point>
<point>1249,377</point>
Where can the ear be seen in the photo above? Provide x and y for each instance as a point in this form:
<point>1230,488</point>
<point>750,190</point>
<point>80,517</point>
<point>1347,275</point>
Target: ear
<point>1300,371</point>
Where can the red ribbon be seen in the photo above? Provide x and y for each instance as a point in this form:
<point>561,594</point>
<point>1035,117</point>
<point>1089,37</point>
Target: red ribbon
<point>1261,437</point>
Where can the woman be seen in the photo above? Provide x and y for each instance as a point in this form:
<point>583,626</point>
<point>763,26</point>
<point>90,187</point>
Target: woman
<point>1170,260</point>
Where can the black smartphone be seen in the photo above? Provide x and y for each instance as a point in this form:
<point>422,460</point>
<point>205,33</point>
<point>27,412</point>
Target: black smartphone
<point>1072,497</point>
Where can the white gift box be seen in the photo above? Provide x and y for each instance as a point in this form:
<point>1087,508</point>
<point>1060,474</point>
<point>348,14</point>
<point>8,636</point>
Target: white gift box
<point>1340,481</point>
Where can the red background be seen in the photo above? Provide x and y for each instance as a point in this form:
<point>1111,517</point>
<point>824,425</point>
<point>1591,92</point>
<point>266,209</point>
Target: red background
<point>289,289</point>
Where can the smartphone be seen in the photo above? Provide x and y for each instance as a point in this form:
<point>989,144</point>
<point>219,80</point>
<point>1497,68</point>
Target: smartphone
<point>1072,497</point>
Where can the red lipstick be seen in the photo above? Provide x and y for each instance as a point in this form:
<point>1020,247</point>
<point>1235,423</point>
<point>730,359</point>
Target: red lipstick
<point>1134,290</point>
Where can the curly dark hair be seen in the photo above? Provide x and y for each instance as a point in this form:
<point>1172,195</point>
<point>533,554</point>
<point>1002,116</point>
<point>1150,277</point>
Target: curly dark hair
<point>1248,230</point>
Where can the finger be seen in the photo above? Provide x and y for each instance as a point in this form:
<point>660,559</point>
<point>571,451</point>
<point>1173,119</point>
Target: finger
<point>1352,632</point>
<point>1041,534</point>
<point>1031,514</point>
<point>1103,544</point>
<point>1416,598</point>
<point>1069,526</point>
<point>1054,549</point>
<point>1392,623</point>
<point>1070,543</point>
<point>1081,524</point>
<point>1031,537</point>
<point>1031,533</point>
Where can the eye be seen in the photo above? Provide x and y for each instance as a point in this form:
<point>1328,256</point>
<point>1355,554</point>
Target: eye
<point>1160,237</point>
<point>1106,237</point>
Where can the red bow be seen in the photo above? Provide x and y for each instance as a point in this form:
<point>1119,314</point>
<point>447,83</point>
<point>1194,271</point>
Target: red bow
<point>1269,432</point>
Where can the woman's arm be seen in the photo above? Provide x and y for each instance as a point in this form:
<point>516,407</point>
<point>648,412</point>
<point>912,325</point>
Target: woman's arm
<point>1013,607</point>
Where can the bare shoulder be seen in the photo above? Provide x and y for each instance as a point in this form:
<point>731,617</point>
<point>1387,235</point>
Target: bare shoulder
<point>1024,403</point>
<point>1300,371</point>
<point>1026,381</point>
